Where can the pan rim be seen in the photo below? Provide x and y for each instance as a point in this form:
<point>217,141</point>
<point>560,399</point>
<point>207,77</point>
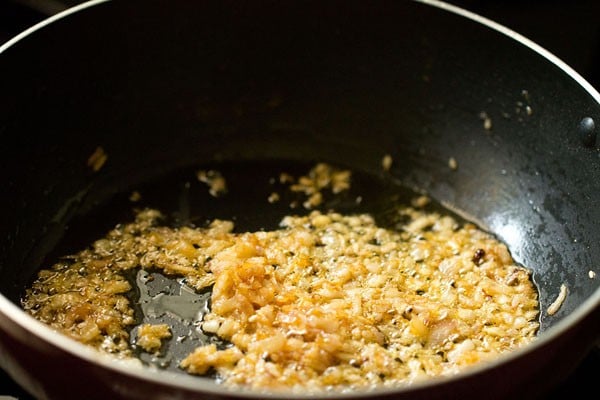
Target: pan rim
<point>194,384</point>
<point>519,38</point>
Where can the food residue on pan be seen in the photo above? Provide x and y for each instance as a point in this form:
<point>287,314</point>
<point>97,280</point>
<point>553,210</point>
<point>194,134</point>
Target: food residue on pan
<point>452,164</point>
<point>325,301</point>
<point>273,197</point>
<point>217,185</point>
<point>524,107</point>
<point>528,109</point>
<point>386,162</point>
<point>591,274</point>
<point>557,303</point>
<point>97,159</point>
<point>135,196</point>
<point>420,201</point>
<point>487,121</point>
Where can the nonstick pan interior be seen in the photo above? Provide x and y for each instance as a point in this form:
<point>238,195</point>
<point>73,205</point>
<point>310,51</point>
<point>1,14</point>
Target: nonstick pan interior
<point>225,84</point>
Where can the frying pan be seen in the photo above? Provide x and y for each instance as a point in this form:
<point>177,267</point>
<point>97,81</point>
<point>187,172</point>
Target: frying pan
<point>164,87</point>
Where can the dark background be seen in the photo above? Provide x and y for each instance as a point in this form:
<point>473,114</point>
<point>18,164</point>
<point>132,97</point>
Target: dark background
<point>570,29</point>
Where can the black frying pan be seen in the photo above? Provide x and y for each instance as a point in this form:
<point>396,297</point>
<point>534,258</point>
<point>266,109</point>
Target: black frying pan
<point>167,87</point>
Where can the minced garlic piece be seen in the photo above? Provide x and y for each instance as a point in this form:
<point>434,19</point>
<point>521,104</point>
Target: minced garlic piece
<point>487,121</point>
<point>97,159</point>
<point>217,186</point>
<point>421,201</point>
<point>452,164</point>
<point>273,197</point>
<point>149,337</point>
<point>322,176</point>
<point>135,196</point>
<point>386,162</point>
<point>557,303</point>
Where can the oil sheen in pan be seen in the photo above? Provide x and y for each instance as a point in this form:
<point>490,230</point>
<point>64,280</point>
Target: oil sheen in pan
<point>247,200</point>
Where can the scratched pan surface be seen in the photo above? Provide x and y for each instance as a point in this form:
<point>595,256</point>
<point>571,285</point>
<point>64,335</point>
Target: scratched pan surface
<point>166,89</point>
